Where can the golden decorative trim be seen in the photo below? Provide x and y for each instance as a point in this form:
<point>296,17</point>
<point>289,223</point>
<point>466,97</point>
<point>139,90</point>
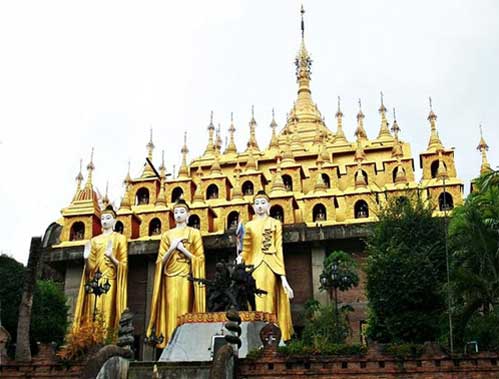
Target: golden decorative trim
<point>247,316</point>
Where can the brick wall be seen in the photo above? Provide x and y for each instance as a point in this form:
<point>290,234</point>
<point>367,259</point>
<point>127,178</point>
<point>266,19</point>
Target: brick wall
<point>273,365</point>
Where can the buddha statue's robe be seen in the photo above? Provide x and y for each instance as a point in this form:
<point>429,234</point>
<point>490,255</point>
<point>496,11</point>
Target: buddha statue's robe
<point>110,305</point>
<point>173,294</point>
<point>262,248</point>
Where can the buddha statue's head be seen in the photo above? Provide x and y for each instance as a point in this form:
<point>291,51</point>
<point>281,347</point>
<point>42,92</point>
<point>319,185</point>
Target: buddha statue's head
<point>261,203</point>
<point>181,212</point>
<point>108,218</point>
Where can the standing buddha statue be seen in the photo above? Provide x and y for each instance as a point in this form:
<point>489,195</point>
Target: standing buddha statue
<point>106,254</point>
<point>180,256</point>
<point>262,248</point>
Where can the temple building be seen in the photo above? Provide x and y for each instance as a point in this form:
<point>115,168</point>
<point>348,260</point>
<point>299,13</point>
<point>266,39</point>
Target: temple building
<point>323,186</point>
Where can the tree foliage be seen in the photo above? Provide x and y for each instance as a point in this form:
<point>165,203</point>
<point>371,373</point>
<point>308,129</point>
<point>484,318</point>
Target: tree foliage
<point>49,318</point>
<point>49,313</point>
<point>11,288</point>
<point>405,273</point>
<point>474,235</point>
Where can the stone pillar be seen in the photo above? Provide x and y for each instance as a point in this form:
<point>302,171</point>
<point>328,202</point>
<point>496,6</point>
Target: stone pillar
<point>318,253</point>
<point>148,351</point>
<point>72,281</point>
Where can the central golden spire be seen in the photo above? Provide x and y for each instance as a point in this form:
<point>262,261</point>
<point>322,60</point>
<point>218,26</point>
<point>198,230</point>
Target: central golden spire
<point>303,64</point>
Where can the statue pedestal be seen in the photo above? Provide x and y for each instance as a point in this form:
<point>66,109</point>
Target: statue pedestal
<point>193,337</point>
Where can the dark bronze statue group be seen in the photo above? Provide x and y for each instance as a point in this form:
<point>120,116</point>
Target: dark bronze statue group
<point>232,287</point>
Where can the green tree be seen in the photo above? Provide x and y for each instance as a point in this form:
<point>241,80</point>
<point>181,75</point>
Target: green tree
<point>474,235</point>
<point>49,318</point>
<point>11,287</point>
<point>405,273</point>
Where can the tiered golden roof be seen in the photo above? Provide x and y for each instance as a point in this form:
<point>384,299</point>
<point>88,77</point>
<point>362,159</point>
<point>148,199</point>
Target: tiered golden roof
<point>312,174</point>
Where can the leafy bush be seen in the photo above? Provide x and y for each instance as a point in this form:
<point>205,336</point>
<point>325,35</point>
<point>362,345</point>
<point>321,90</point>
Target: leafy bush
<point>11,288</point>
<point>405,273</point>
<point>324,327</point>
<point>49,316</point>
<point>484,329</point>
<point>79,342</point>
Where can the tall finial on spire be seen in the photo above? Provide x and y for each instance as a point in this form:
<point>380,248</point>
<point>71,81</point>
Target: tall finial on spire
<point>184,169</point>
<point>395,125</point>
<point>162,168</point>
<point>302,11</point>
<point>339,137</point>
<point>231,147</point>
<point>210,148</point>
<point>79,177</point>
<point>360,132</point>
<point>252,144</point>
<point>150,145</point>
<point>384,131</point>
<point>218,143</point>
<point>483,148</point>
<point>274,141</point>
<point>303,62</point>
<point>90,169</point>
<point>434,142</point>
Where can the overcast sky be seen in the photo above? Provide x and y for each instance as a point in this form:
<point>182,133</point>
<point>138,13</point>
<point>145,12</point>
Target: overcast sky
<point>98,73</point>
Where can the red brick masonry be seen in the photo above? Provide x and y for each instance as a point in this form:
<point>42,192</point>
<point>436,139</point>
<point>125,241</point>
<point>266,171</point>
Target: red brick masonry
<point>370,366</point>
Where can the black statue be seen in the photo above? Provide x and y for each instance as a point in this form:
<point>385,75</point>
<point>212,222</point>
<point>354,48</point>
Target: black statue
<point>233,287</point>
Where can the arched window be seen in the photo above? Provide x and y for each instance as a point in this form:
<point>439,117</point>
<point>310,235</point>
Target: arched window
<point>277,212</point>
<point>142,196</point>
<point>364,175</point>
<point>248,188</point>
<point>288,182</point>
<point>77,231</point>
<point>119,227</point>
<point>434,167</point>
<point>319,213</point>
<point>361,210</point>
<point>445,201</point>
<point>177,193</point>
<point>194,221</point>
<point>212,192</point>
<point>326,180</point>
<point>395,172</point>
<point>155,227</point>
<point>232,220</point>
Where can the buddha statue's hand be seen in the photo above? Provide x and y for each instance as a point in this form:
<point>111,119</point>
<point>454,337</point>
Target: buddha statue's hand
<point>109,249</point>
<point>287,288</point>
<point>86,250</point>
<point>184,251</point>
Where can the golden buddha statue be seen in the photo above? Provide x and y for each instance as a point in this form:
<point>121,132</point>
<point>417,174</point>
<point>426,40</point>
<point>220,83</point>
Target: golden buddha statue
<point>106,266</point>
<point>262,248</point>
<point>180,256</point>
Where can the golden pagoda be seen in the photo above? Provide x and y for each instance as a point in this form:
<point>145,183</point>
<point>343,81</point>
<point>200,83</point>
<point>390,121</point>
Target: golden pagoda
<point>312,173</point>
